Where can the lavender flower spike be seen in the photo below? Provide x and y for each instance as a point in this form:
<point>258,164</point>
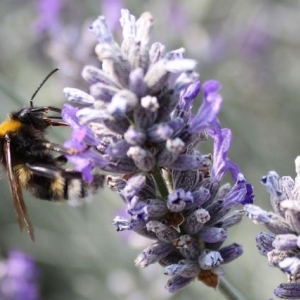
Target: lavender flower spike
<point>281,246</point>
<point>136,124</point>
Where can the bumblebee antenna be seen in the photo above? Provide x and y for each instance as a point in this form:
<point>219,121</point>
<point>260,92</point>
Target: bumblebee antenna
<point>41,84</point>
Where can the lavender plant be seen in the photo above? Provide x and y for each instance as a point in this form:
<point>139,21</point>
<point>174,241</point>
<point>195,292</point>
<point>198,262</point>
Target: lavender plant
<point>136,124</point>
<point>18,278</point>
<point>281,246</point>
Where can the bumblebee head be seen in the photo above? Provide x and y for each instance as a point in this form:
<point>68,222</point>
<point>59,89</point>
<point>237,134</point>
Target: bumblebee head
<point>35,117</point>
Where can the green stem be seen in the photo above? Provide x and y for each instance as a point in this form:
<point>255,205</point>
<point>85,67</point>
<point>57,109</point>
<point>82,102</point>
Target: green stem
<point>160,182</point>
<point>168,180</point>
<point>229,291</point>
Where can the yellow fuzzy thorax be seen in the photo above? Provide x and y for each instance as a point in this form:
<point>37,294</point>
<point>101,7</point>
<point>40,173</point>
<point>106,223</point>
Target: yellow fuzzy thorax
<point>9,126</point>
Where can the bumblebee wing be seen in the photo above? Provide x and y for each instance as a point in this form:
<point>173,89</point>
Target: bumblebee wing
<point>15,187</point>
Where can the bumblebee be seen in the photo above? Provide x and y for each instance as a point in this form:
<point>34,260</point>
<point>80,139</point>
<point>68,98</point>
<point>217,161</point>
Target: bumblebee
<point>30,161</point>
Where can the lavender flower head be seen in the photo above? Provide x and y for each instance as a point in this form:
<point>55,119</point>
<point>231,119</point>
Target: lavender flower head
<point>48,17</point>
<point>135,123</point>
<point>18,278</point>
<point>282,245</point>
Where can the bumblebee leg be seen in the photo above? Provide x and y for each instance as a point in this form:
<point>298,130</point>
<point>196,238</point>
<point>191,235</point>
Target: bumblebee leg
<point>61,160</point>
<point>49,119</point>
<point>54,123</point>
<point>55,117</point>
<point>45,109</point>
<point>47,146</point>
<point>50,172</point>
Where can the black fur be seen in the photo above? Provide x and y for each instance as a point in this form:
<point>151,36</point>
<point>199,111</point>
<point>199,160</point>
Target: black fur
<point>27,148</point>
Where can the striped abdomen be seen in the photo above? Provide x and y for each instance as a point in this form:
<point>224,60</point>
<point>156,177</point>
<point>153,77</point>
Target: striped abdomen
<point>59,188</point>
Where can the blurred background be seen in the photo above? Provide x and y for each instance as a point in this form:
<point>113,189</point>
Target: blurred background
<point>251,47</point>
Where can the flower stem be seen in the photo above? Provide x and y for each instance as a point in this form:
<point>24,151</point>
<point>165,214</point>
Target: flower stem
<point>160,182</point>
<point>229,291</point>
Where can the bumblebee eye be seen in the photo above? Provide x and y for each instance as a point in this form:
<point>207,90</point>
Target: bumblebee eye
<point>24,115</point>
<point>33,118</point>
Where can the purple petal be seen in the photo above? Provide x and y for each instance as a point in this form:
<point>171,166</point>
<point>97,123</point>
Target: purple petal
<point>249,198</point>
<point>208,111</point>
<point>86,161</point>
<point>76,141</point>
<point>222,164</point>
<point>192,90</point>
<point>241,193</point>
<point>211,86</point>
<point>83,165</point>
<point>68,114</point>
